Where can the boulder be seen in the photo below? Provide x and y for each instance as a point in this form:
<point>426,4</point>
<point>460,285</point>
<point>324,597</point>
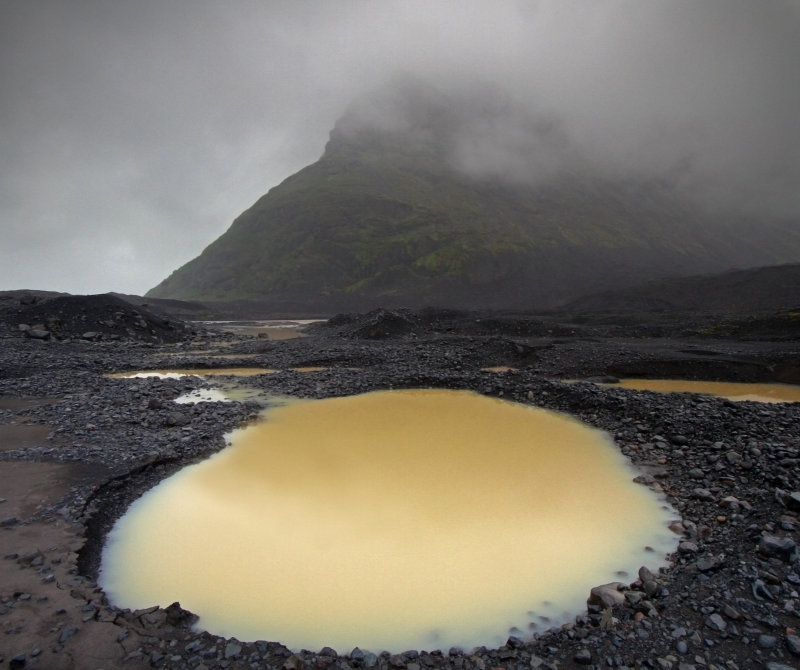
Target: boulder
<point>606,595</point>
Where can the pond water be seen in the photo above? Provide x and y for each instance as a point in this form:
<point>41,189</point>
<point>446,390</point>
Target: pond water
<point>177,373</point>
<point>393,520</point>
<point>731,390</point>
<point>192,372</point>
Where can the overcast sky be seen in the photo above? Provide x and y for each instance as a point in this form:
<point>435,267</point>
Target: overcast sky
<point>133,133</point>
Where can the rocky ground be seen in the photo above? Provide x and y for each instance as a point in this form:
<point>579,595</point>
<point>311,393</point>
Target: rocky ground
<point>77,446</point>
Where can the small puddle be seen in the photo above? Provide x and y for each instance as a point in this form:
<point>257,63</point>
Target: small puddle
<point>730,390</point>
<point>274,329</point>
<point>393,520</point>
<point>192,372</point>
<point>230,394</point>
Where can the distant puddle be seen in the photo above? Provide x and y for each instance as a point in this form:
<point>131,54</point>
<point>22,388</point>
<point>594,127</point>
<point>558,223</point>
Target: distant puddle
<point>274,329</point>
<point>392,520</point>
<point>207,372</point>
<point>192,372</point>
<point>729,390</point>
<point>229,393</point>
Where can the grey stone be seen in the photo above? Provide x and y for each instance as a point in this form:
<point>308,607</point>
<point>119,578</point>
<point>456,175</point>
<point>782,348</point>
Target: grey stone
<point>38,333</point>
<point>176,419</point>
<point>294,662</point>
<point>606,595</point>
<point>707,563</point>
<point>514,642</point>
<point>583,657</point>
<point>783,548</point>
<point>767,641</point>
<point>731,612</point>
<point>716,622</point>
<point>233,649</point>
<point>702,494</point>
<point>793,501</point>
<point>793,644</point>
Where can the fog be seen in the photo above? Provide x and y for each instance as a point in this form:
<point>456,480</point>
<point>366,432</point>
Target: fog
<point>133,133</point>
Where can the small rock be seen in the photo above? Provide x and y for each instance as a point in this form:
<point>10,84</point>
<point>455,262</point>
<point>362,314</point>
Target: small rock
<point>583,657</point>
<point>731,612</point>
<point>176,419</point>
<point>177,616</point>
<point>783,548</point>
<point>606,595</point>
<point>232,649</point>
<point>707,563</point>
<point>716,622</point>
<point>294,662</point>
<point>38,333</point>
<point>793,644</point>
<point>514,642</point>
<point>702,494</point>
<point>767,641</point>
<point>792,501</point>
<point>761,591</point>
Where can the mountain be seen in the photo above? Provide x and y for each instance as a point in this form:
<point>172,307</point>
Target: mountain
<point>386,218</point>
<point>751,291</point>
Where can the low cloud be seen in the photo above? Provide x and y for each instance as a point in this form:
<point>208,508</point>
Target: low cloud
<point>138,131</point>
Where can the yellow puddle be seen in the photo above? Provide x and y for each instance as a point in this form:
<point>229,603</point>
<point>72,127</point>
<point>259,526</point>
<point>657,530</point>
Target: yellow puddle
<point>393,520</point>
<point>730,390</point>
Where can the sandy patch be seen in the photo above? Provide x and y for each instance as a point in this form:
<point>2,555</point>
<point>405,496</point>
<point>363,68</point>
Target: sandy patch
<point>50,617</point>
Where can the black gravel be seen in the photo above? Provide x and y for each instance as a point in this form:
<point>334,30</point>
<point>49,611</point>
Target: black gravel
<point>729,600</point>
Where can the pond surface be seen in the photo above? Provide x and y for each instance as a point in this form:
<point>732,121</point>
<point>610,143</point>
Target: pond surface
<point>177,373</point>
<point>393,520</point>
<point>731,390</point>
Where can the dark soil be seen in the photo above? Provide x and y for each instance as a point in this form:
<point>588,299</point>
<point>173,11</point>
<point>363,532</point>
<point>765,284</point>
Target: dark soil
<point>729,600</point>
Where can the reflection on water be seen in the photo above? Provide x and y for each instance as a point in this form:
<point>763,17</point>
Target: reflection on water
<point>730,390</point>
<point>177,373</point>
<point>274,329</point>
<point>202,395</point>
<point>391,520</point>
<point>230,393</point>
<point>192,372</point>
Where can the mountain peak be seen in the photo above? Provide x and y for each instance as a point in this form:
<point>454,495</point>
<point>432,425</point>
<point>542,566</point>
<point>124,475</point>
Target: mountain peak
<point>422,197</point>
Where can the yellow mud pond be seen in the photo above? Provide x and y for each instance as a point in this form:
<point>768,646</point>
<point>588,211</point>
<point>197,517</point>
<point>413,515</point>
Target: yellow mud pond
<point>730,390</point>
<point>393,520</point>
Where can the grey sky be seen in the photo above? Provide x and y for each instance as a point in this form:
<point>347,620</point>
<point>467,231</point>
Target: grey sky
<point>132,133</point>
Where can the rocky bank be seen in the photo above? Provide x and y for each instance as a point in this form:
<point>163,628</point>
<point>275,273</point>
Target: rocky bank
<point>77,446</point>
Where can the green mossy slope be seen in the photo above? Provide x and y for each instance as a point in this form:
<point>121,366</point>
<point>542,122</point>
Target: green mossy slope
<point>381,220</point>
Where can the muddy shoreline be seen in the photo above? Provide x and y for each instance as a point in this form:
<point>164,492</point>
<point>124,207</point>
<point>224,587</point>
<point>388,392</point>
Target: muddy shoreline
<point>730,598</point>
